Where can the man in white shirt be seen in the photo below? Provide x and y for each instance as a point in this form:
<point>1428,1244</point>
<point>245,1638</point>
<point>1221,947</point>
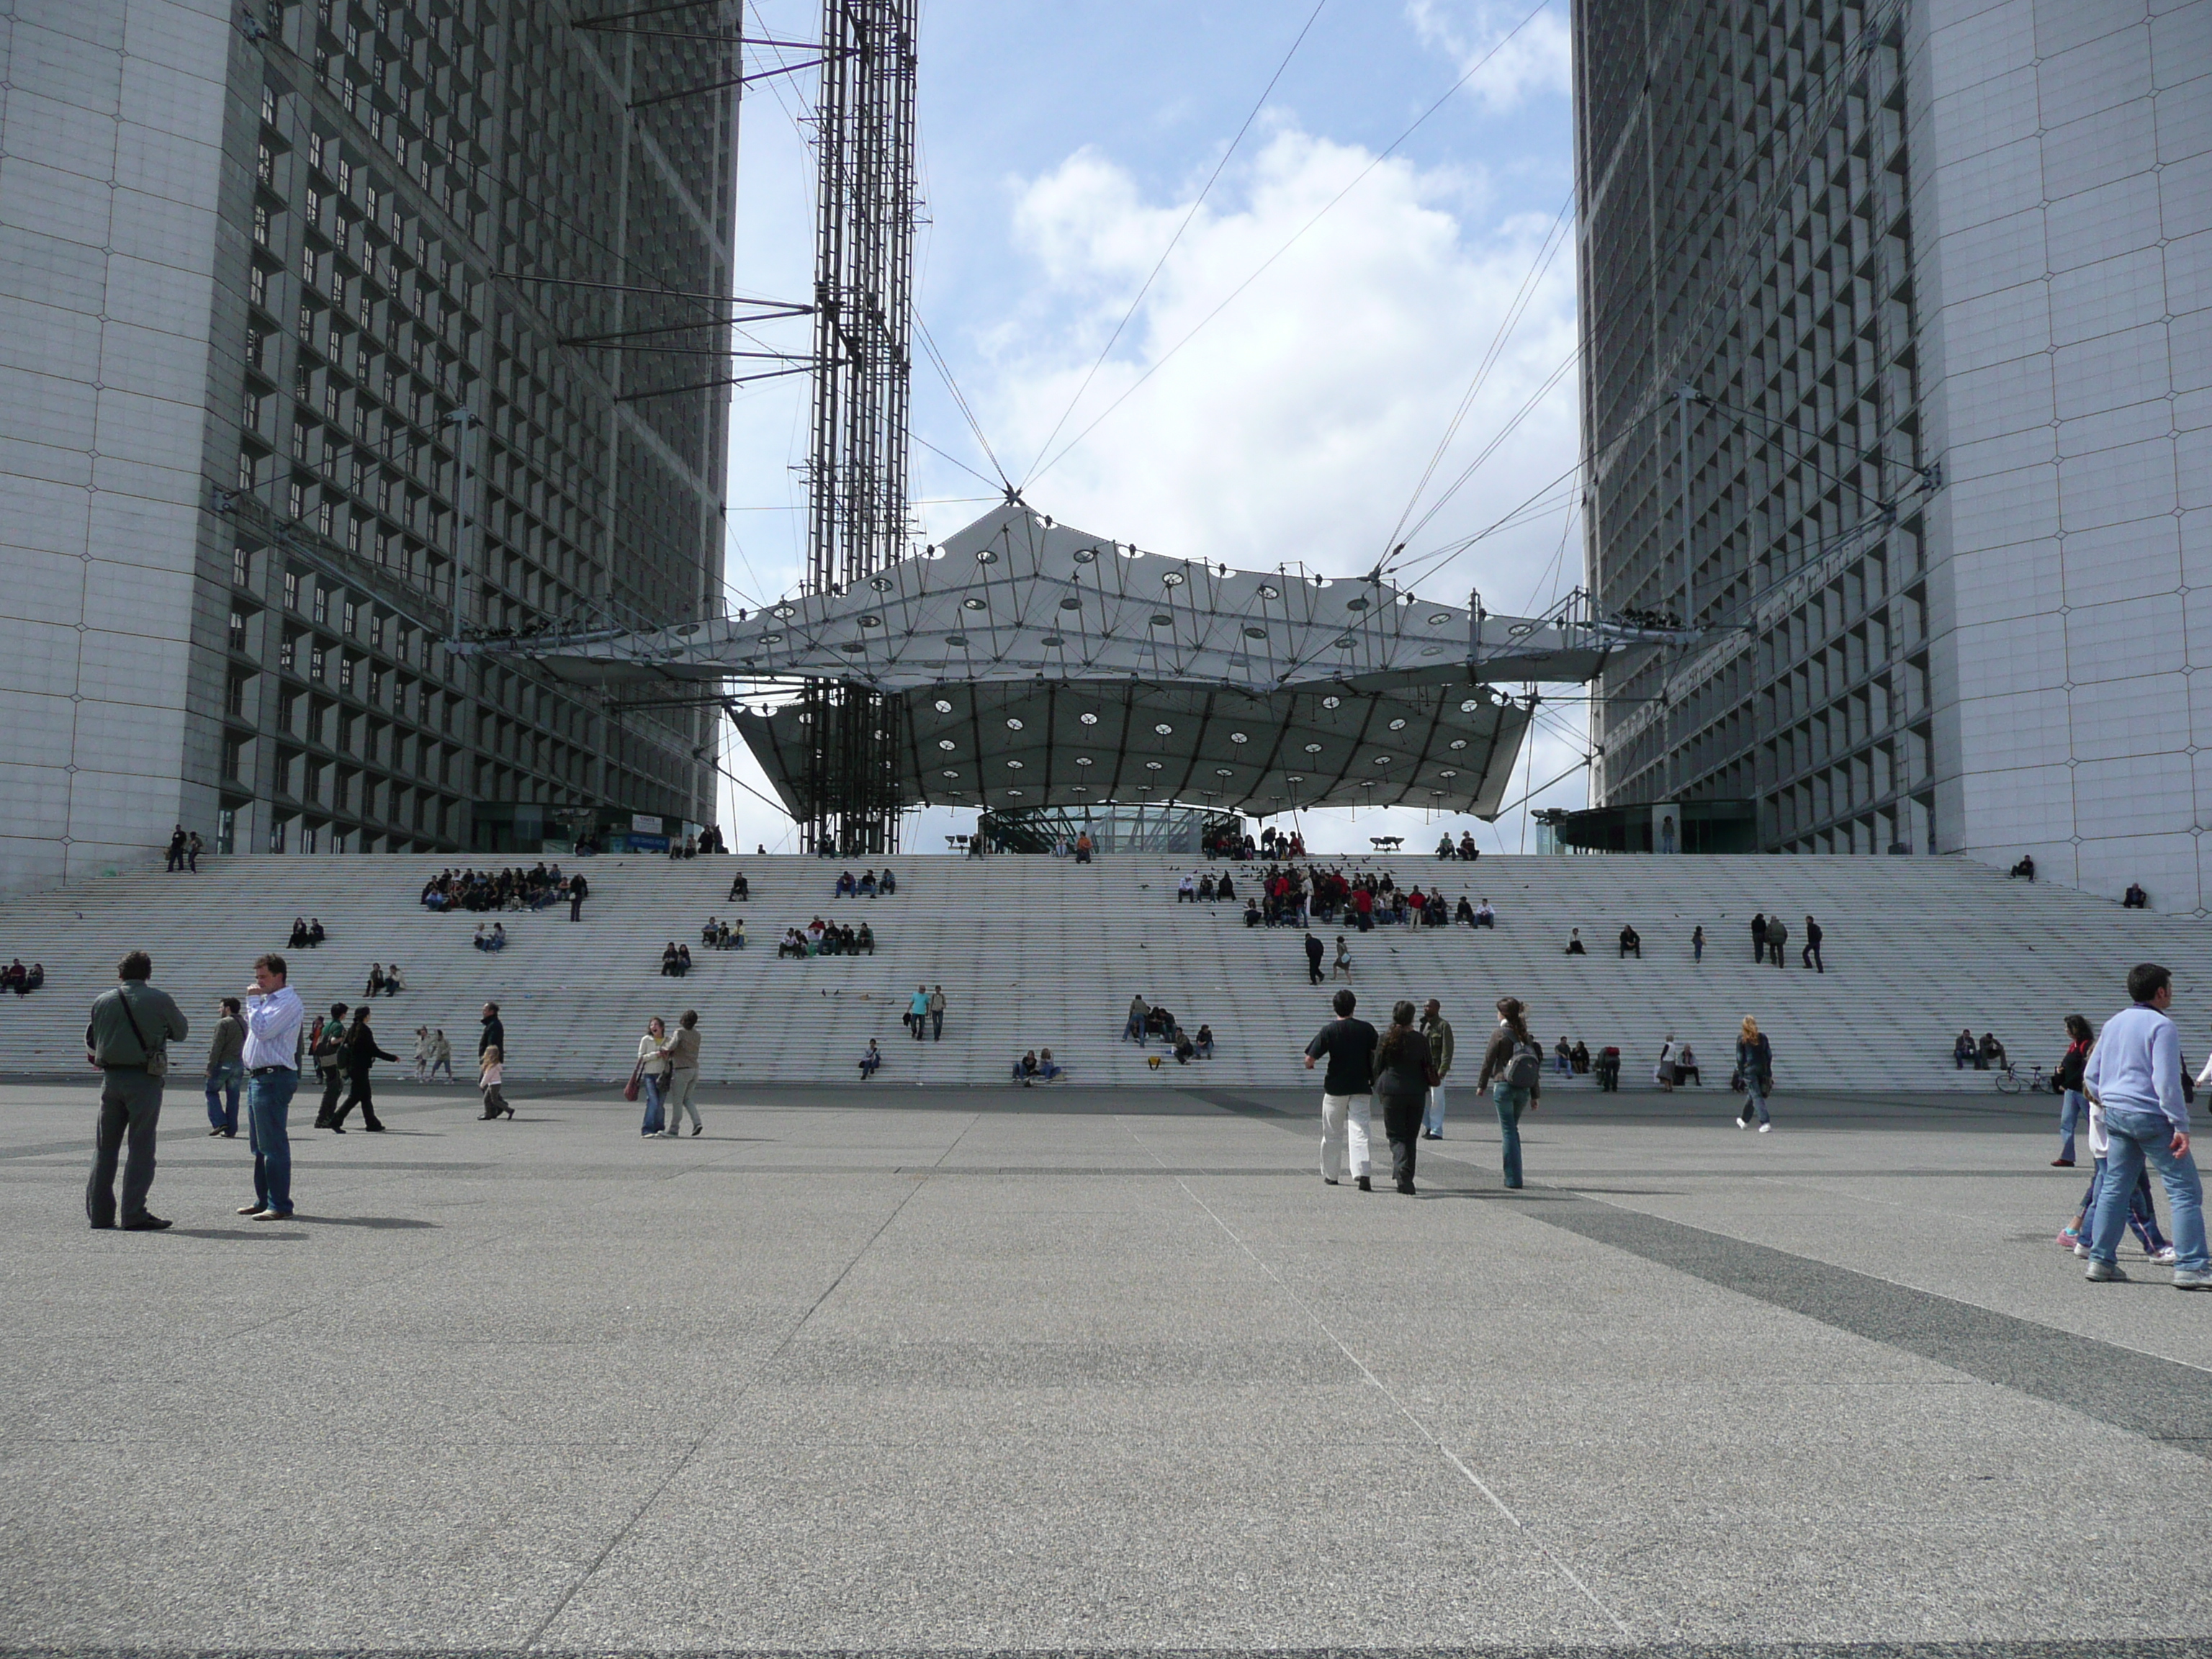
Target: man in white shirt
<point>2134,1072</point>
<point>273,1014</point>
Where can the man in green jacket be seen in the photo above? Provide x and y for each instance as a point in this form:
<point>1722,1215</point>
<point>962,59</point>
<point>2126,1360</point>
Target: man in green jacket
<point>1438,1031</point>
<point>128,1039</point>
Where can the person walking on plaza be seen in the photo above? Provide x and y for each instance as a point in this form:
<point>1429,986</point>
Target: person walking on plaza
<point>1754,1063</point>
<point>128,1038</point>
<point>361,1054</point>
<point>178,841</point>
<point>578,890</point>
<point>1314,951</point>
<point>225,1070</point>
<point>917,1013</point>
<point>1402,1076</point>
<point>495,1032</point>
<point>1438,1029</point>
<point>274,1014</point>
<point>1810,956</point>
<point>1347,1092</point>
<point>2072,1105</point>
<point>937,1013</point>
<point>491,1076</point>
<point>193,848</point>
<point>653,1073</point>
<point>326,1047</point>
<point>1697,943</point>
<point>422,1054</point>
<point>2134,1072</point>
<point>442,1055</point>
<point>683,1074</point>
<point>1513,1072</point>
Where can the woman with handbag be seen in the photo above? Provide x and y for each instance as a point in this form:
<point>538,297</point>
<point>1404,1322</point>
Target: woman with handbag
<point>1403,1077</point>
<point>1754,1063</point>
<point>651,1073</point>
<point>2074,1108</point>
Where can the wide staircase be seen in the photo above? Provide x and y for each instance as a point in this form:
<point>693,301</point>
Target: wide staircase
<point>1038,952</point>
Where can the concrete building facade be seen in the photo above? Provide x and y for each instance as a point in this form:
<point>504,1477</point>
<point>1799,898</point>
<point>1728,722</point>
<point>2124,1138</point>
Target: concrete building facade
<point>304,375</point>
<point>1897,322</point>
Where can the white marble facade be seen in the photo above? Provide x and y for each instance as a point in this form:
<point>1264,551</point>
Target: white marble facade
<point>2062,206</point>
<point>111,116</point>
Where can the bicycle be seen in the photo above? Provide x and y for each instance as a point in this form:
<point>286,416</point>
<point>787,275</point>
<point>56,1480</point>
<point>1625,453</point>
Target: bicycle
<point>2010,1081</point>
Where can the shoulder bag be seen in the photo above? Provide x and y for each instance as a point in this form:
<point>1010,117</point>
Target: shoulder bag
<point>157,1060</point>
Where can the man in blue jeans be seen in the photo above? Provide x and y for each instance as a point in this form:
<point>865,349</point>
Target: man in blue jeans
<point>2135,1073</point>
<point>273,1015</point>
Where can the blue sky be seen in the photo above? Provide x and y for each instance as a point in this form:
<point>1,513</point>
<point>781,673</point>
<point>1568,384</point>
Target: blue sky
<point>1062,147</point>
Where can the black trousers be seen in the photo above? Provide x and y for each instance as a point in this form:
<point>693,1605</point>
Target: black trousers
<point>359,1096</point>
<point>333,1086</point>
<point>1313,970</point>
<point>129,1107</point>
<point>575,909</point>
<point>1401,1122</point>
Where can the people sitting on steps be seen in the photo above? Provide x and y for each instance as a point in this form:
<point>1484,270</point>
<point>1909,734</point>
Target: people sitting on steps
<point>1962,1052</point>
<point>1990,1055</point>
<point>846,886</point>
<point>1575,943</point>
<point>2135,898</point>
<point>870,1060</point>
<point>741,892</point>
<point>1631,942</point>
<point>674,962</point>
<point>493,940</point>
<point>1580,1056</point>
<point>2025,869</point>
<point>21,980</point>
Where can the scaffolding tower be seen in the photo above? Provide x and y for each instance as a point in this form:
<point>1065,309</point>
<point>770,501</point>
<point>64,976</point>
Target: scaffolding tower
<point>863,275</point>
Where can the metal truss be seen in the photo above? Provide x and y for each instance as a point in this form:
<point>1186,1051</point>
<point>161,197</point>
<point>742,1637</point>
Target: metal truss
<point>863,317</point>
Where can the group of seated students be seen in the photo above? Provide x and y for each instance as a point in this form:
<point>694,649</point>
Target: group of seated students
<point>827,938</point>
<point>729,935</point>
<point>384,982</point>
<point>1570,1060</point>
<point>493,939</point>
<point>868,886</point>
<point>1271,844</point>
<point>1038,1066</point>
<point>676,960</point>
<point>1147,1021</point>
<point>21,980</point>
<point>305,934</point>
<point>497,890</point>
<point>1466,849</point>
<point>1988,1055</point>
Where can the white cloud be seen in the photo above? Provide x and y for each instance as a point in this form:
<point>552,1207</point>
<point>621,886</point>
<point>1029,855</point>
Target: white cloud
<point>1537,61</point>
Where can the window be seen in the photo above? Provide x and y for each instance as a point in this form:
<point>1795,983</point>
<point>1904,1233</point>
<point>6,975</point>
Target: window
<point>276,836</point>
<point>307,839</point>
<point>376,632</point>
<point>315,663</point>
<point>322,605</point>
<point>241,567</point>
<point>352,613</point>
<point>287,655</point>
<point>256,286</point>
<point>261,224</point>
<point>292,590</point>
<point>233,761</point>
<point>375,684</point>
<point>237,630</point>
<point>345,674</point>
<point>226,821</point>
<point>268,114</point>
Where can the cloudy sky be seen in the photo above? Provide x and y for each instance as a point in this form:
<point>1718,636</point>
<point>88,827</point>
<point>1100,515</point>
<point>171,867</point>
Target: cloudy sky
<point>1356,320</point>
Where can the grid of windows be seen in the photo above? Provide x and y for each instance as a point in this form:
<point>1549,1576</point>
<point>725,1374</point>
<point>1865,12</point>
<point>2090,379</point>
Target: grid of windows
<point>1751,411</point>
<point>436,188</point>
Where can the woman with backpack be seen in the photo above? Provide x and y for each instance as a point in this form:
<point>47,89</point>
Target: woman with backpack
<point>2074,1109</point>
<point>1513,1072</point>
<point>1754,1063</point>
<point>1403,1073</point>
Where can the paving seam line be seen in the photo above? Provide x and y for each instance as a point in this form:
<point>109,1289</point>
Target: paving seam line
<point>1384,1389</point>
<point>530,1644</point>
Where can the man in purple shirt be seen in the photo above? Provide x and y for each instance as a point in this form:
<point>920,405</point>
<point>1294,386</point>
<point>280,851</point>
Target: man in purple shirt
<point>2135,1074</point>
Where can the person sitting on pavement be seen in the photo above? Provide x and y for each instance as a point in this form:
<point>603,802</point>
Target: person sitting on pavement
<point>888,885</point>
<point>1185,1049</point>
<point>867,888</point>
<point>1203,1042</point>
<point>1187,891</point>
<point>1685,1067</point>
<point>1575,943</point>
<point>315,933</point>
<point>1579,1057</point>
<point>741,890</point>
<point>375,986</point>
<point>393,982</point>
<point>1048,1068</point>
<point>668,960</point>
<point>682,960</point>
<point>1962,1051</point>
<point>1225,889</point>
<point>1252,916</point>
<point>1991,1055</point>
<point>2135,898</point>
<point>870,1060</point>
<point>1484,915</point>
<point>2025,868</point>
<point>845,886</point>
<point>1631,942</point>
<point>864,940</point>
<point>1464,912</point>
<point>1444,848</point>
<point>1025,1069</point>
<point>1563,1058</point>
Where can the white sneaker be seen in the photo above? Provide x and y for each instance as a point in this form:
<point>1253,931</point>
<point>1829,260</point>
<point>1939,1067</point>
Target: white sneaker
<point>1743,1123</point>
<point>1765,1127</point>
<point>2080,1252</point>
<point>2162,1258</point>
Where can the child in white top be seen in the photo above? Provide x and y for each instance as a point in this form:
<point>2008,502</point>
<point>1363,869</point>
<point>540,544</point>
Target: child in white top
<point>494,1073</point>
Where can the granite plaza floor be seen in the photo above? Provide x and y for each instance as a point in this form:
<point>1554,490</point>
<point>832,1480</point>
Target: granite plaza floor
<point>1045,1371</point>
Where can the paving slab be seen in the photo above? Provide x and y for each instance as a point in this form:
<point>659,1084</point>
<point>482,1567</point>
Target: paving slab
<point>1090,1372</point>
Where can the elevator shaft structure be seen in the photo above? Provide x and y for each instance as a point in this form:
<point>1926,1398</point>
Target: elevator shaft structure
<point>863,297</point>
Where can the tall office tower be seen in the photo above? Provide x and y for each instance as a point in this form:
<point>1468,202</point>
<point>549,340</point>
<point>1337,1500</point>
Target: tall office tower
<point>1898,370</point>
<point>320,348</point>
